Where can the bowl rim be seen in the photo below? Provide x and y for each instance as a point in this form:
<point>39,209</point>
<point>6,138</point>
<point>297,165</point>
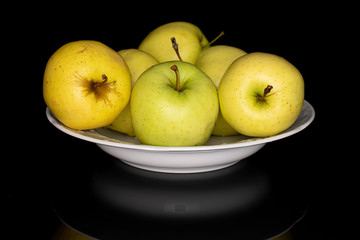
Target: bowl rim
<point>307,107</point>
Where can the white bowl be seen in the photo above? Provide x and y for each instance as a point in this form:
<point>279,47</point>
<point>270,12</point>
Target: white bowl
<point>217,153</point>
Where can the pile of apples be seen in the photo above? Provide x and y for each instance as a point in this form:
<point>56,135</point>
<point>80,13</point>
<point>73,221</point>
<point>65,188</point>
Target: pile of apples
<point>176,89</point>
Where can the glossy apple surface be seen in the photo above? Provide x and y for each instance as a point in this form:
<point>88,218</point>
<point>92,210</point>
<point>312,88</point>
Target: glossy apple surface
<point>189,37</point>
<point>86,84</point>
<point>214,61</point>
<point>261,94</point>
<point>164,116</point>
<point>138,62</point>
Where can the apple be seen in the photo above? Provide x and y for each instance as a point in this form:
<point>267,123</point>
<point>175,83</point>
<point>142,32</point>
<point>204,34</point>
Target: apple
<point>86,84</point>
<point>222,127</point>
<point>137,61</point>
<point>189,37</point>
<point>174,104</point>
<point>214,61</point>
<point>261,94</point>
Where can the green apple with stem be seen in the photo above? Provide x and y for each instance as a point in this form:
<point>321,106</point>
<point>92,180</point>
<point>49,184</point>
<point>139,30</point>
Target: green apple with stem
<point>261,94</point>
<point>137,61</point>
<point>214,61</point>
<point>189,36</point>
<point>174,104</point>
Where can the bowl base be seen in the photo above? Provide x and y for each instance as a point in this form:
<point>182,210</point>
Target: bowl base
<point>180,170</point>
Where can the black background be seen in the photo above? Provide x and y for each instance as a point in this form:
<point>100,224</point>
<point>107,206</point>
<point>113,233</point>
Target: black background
<point>316,39</point>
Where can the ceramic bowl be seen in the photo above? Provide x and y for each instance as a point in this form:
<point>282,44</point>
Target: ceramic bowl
<point>217,153</point>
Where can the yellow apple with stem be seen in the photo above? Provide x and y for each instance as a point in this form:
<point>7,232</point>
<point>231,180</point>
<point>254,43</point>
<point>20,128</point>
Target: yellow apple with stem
<point>214,61</point>
<point>261,94</point>
<point>86,84</point>
<point>137,61</point>
<point>190,38</point>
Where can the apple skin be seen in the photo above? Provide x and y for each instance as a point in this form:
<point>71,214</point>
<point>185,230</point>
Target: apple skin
<point>214,61</point>
<point>189,37</point>
<point>243,85</point>
<point>137,61</point>
<point>163,116</point>
<point>75,89</point>
<point>222,127</point>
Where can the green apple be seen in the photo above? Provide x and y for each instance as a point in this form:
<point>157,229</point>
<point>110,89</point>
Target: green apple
<point>261,94</point>
<point>214,61</point>
<point>189,37</point>
<point>137,61</point>
<point>86,84</point>
<point>174,104</point>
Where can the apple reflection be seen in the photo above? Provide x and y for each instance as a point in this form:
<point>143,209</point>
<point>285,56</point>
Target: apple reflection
<point>225,192</point>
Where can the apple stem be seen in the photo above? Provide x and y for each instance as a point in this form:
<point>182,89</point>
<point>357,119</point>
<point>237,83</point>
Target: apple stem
<point>266,91</point>
<point>99,84</point>
<point>215,39</point>
<point>176,48</point>
<point>176,70</point>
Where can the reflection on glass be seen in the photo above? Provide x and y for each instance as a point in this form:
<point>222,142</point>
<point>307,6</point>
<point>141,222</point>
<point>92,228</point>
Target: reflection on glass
<point>212,194</point>
<point>249,200</point>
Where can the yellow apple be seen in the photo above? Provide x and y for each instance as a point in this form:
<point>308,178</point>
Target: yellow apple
<point>137,61</point>
<point>214,61</point>
<point>261,94</point>
<point>222,127</point>
<point>189,37</point>
<point>86,84</point>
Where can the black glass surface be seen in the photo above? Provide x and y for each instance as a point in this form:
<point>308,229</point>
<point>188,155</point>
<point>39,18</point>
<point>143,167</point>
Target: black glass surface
<point>244,201</point>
